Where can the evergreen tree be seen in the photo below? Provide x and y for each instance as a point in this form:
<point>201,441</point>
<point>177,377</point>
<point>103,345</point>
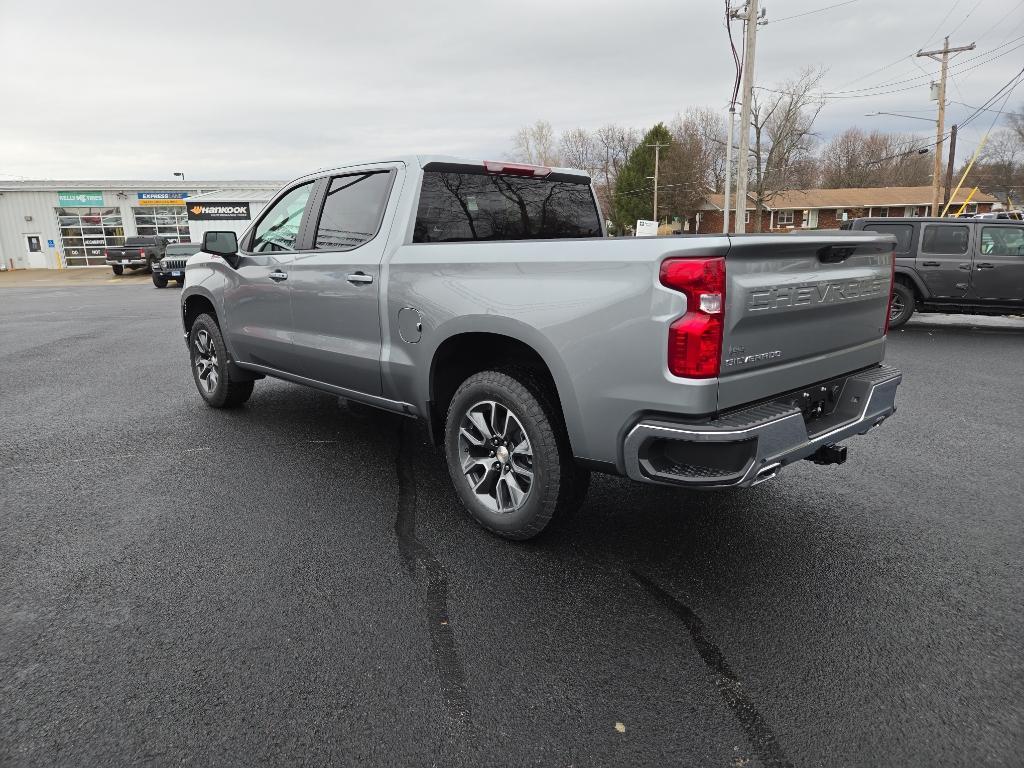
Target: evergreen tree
<point>634,191</point>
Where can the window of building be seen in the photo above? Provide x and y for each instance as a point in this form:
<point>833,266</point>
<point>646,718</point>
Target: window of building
<point>784,217</point>
<point>167,221</point>
<point>86,232</point>
<point>945,239</point>
<point>971,208</point>
<point>903,232</point>
<point>279,228</point>
<point>1002,241</point>
<point>456,206</point>
<point>746,217</point>
<point>352,211</point>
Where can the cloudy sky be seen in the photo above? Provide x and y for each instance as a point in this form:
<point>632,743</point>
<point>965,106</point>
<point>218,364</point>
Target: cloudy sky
<point>256,89</point>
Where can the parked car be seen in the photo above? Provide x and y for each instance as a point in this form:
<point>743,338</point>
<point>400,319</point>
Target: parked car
<point>954,265</point>
<point>1013,215</point>
<point>136,253</point>
<point>172,265</point>
<point>483,299</point>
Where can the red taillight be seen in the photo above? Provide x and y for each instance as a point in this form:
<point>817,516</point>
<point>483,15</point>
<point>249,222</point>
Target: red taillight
<point>695,339</point>
<point>106,254</point>
<point>892,286</point>
<point>516,169</point>
<point>142,251</point>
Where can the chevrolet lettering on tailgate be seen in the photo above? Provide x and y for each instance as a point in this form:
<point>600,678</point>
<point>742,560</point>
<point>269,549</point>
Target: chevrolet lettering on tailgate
<point>808,294</point>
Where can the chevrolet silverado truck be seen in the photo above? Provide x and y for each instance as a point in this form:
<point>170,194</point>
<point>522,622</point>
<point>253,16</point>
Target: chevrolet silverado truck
<point>952,265</point>
<point>484,299</point>
<point>136,253</point>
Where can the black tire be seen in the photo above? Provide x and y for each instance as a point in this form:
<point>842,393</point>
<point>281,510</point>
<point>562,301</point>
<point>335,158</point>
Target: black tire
<point>224,391</point>
<point>181,282</point>
<point>558,484</point>
<point>159,280</point>
<point>118,269</point>
<point>903,301</point>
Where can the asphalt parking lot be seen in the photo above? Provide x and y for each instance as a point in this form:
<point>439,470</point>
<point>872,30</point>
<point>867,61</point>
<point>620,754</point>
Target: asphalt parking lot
<point>288,583</point>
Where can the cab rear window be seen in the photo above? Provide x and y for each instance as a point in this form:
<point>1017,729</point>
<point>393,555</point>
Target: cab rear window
<point>458,206</point>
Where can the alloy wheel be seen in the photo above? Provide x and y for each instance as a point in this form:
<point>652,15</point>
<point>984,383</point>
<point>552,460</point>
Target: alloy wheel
<point>896,307</point>
<point>496,456</point>
<point>205,361</point>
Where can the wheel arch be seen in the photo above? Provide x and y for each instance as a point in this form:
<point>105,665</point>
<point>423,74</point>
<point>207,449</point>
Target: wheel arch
<point>479,344</point>
<point>911,278</point>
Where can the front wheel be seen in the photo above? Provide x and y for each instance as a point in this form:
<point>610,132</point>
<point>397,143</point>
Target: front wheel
<point>210,369</point>
<point>509,456</point>
<point>902,306</point>
<point>159,280</point>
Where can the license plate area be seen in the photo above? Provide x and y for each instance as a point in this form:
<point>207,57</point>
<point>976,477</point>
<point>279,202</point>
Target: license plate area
<point>124,261</point>
<point>817,401</point>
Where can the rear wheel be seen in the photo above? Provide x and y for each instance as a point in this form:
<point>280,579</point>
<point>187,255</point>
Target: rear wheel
<point>902,306</point>
<point>509,456</point>
<point>118,269</point>
<point>159,280</point>
<point>210,369</point>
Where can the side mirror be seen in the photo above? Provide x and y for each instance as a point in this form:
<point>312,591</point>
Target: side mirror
<point>221,244</point>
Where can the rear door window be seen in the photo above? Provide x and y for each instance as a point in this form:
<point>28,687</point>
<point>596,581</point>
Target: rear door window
<point>949,239</point>
<point>903,232</point>
<point>1002,241</point>
<point>352,210</point>
<point>466,206</point>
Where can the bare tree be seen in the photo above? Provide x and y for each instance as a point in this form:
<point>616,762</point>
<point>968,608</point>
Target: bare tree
<point>855,158</point>
<point>999,169</point>
<point>613,145</point>
<point>536,144</point>
<point>782,152</point>
<point>694,163</point>
<point>578,149</point>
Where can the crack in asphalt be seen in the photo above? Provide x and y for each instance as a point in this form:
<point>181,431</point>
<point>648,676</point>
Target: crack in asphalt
<point>418,559</point>
<point>762,739</point>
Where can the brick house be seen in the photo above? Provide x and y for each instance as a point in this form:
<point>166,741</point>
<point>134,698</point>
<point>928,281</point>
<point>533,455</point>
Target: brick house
<point>824,208</point>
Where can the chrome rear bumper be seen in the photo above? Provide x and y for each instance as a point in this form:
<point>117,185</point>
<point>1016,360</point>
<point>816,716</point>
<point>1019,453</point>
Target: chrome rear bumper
<point>746,447</point>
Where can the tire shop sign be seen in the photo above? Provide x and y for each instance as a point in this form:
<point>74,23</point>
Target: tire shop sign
<point>213,211</point>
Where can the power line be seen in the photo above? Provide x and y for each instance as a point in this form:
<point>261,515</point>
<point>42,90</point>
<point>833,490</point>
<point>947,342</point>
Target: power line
<point>965,18</point>
<point>927,75</point>
<point>1000,19</point>
<point>939,25</point>
<point>808,13</point>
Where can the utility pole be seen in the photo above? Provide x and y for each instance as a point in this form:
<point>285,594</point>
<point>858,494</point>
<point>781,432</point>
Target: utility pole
<point>731,14</point>
<point>749,41</point>
<point>941,56</point>
<point>949,166</point>
<point>657,155</point>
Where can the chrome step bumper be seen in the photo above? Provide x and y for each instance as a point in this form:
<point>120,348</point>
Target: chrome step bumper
<point>749,446</point>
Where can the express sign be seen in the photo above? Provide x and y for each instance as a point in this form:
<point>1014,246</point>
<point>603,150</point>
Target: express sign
<point>213,211</point>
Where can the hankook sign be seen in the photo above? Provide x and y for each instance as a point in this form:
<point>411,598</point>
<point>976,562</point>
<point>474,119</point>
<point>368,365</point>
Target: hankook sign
<point>212,211</point>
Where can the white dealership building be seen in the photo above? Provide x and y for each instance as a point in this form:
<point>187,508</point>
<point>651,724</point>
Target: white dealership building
<point>52,224</point>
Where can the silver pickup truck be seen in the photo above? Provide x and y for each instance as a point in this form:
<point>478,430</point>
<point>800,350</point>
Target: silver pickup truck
<point>484,299</point>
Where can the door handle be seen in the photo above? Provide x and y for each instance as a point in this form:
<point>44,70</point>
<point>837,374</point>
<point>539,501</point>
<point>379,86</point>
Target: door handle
<point>930,264</point>
<point>359,278</point>
<point>277,276</point>
<point>965,267</point>
<point>986,265</point>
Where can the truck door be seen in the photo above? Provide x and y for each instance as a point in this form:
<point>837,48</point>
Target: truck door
<point>998,273</point>
<point>944,259</point>
<point>335,282</point>
<point>257,300</point>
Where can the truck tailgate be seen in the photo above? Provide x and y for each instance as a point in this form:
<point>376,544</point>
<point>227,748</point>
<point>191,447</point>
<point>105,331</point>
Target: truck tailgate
<point>802,308</point>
